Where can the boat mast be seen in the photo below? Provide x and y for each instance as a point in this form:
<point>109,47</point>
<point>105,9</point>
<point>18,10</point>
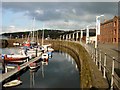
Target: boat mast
<point>37,37</point>
<point>43,35</point>
<point>33,28</point>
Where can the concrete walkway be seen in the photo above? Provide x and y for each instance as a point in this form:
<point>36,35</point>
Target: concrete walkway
<point>110,49</point>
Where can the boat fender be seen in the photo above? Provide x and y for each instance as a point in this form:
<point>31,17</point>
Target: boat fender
<point>3,57</point>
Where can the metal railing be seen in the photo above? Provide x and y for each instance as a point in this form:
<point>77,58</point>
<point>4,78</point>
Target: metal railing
<point>106,64</point>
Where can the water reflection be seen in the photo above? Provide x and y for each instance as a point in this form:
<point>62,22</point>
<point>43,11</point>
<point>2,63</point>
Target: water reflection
<point>61,72</point>
<point>70,59</point>
<point>42,71</point>
<point>32,80</point>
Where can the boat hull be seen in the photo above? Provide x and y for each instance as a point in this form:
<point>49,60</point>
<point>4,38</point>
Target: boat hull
<point>12,58</point>
<point>34,66</point>
<point>12,83</point>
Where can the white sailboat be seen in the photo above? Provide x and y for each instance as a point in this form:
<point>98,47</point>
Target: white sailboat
<point>47,51</point>
<point>47,47</point>
<point>31,50</point>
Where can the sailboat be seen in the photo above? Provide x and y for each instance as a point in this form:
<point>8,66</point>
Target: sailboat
<point>47,51</point>
<point>47,47</point>
<point>15,57</point>
<point>30,41</point>
<point>32,45</point>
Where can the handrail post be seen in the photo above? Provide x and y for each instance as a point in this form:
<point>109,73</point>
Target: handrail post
<point>3,64</point>
<point>36,52</point>
<point>94,54</point>
<point>100,60</point>
<point>104,65</point>
<point>96,57</point>
<point>112,75</point>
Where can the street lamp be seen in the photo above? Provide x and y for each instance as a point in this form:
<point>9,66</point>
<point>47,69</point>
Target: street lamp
<point>87,35</point>
<point>81,35</point>
<point>73,36</point>
<point>97,28</point>
<point>66,37</point>
<point>63,37</point>
<point>77,36</point>
<point>69,37</point>
<point>97,33</point>
<point>60,37</point>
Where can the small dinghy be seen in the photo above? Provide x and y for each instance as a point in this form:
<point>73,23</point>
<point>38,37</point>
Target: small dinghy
<point>12,83</point>
<point>45,58</point>
<point>34,65</point>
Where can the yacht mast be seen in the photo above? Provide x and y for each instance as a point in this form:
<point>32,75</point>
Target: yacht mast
<point>43,35</point>
<point>33,30</point>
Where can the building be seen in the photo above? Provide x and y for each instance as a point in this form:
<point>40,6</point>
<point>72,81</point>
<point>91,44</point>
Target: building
<point>110,31</point>
<point>92,39</point>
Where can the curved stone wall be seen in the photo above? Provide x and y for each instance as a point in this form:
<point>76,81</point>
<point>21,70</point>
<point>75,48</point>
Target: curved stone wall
<point>81,57</point>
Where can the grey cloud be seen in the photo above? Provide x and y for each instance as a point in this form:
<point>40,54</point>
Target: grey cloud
<point>80,7</point>
<point>66,11</point>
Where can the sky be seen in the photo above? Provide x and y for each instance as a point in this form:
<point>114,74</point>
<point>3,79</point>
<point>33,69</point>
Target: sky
<point>18,16</point>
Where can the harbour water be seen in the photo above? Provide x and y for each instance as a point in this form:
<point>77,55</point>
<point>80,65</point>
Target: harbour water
<point>61,72</point>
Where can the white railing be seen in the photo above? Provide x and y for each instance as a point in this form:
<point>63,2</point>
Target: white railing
<point>106,64</point>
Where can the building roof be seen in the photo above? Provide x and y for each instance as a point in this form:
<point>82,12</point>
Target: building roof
<point>111,20</point>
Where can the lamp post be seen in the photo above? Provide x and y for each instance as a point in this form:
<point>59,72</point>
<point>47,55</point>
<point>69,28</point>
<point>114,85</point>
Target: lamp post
<point>60,37</point>
<point>69,37</point>
<point>77,35</point>
<point>97,29</point>
<point>97,33</point>
<point>87,35</point>
<point>66,37</point>
<point>73,36</point>
<point>81,35</point>
<point>63,37</point>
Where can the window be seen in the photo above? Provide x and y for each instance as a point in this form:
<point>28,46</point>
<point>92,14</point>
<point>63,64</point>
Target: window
<point>114,31</point>
<point>114,39</point>
<point>118,39</point>
<point>115,23</point>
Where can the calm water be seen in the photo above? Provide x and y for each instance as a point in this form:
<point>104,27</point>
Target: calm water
<point>61,72</point>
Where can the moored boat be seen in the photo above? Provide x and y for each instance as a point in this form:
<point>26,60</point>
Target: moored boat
<point>47,48</point>
<point>49,54</point>
<point>45,58</point>
<point>33,65</point>
<point>27,44</point>
<point>14,58</point>
<point>12,83</point>
<point>50,49</point>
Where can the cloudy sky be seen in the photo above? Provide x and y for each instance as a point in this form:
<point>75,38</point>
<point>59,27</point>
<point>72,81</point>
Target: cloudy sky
<point>18,16</point>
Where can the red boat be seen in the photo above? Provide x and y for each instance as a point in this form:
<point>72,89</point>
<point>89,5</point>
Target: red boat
<point>15,58</point>
<point>27,44</point>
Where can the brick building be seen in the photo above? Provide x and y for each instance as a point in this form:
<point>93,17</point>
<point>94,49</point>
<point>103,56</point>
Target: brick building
<point>110,31</point>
